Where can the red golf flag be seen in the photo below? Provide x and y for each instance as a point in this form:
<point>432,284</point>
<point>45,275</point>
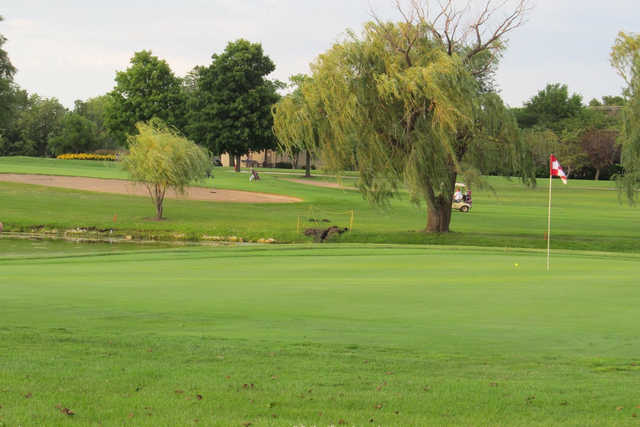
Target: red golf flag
<point>556,169</point>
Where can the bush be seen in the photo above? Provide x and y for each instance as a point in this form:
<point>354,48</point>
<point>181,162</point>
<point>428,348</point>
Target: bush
<point>284,165</point>
<point>161,159</point>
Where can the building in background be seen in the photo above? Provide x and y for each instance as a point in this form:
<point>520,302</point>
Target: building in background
<point>270,159</point>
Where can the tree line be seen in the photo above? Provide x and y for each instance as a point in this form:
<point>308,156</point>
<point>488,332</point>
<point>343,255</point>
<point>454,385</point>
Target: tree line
<point>224,106</point>
<point>409,104</point>
<point>583,136</point>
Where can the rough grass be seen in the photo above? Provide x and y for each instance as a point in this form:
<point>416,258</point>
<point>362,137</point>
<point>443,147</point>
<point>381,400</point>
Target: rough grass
<point>586,214</point>
<point>315,335</point>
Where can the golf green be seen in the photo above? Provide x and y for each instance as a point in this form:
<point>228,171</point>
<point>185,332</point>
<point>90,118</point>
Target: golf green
<point>349,334</point>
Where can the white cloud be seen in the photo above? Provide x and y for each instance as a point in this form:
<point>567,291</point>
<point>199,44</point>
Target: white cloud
<point>72,49</point>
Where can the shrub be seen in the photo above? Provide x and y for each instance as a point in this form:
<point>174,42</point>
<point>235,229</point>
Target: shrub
<point>284,165</point>
<point>161,158</point>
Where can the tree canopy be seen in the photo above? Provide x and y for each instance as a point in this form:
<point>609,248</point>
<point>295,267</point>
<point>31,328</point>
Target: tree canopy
<point>295,108</point>
<point>7,70</point>
<point>77,135</point>
<point>549,107</point>
<point>230,105</point>
<point>162,159</point>
<point>582,137</point>
<point>39,121</point>
<point>625,57</point>
<point>94,109</point>
<point>147,89</point>
<point>607,101</point>
<point>407,103</point>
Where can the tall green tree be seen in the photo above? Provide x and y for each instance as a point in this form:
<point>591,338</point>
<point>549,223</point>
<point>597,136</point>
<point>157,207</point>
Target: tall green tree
<point>77,135</point>
<point>7,70</point>
<point>625,57</point>
<point>41,121</point>
<point>147,89</point>
<point>162,159</point>
<point>549,107</point>
<point>408,103</point>
<point>95,110</point>
<point>11,143</point>
<point>230,107</point>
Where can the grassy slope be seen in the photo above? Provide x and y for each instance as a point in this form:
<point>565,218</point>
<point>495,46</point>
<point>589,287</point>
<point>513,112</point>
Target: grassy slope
<point>400,335</point>
<point>586,214</point>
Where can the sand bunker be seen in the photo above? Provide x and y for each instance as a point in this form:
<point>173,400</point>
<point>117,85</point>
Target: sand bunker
<point>118,186</point>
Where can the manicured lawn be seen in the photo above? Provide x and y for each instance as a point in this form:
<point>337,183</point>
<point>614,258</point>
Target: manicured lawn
<point>586,214</point>
<point>401,335</point>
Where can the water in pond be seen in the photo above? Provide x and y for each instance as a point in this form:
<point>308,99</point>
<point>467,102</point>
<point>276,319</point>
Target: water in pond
<point>11,247</point>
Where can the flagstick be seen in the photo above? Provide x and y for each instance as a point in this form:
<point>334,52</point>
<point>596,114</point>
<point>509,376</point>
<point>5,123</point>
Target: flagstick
<point>549,221</point>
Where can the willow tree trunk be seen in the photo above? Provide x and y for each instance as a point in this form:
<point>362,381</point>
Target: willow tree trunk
<point>597,174</point>
<point>236,163</point>
<point>307,164</point>
<point>159,209</point>
<point>439,208</point>
<point>439,215</point>
<point>157,192</point>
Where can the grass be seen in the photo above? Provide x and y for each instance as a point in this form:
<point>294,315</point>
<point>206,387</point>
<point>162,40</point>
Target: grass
<point>336,334</point>
<point>587,215</point>
<point>382,335</point>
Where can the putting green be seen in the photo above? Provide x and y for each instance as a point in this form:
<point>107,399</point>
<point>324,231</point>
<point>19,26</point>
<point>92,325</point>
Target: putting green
<point>438,335</point>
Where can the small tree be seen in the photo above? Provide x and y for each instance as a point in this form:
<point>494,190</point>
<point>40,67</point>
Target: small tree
<point>161,158</point>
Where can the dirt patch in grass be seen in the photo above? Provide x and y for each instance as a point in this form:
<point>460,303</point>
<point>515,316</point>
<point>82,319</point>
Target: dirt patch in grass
<point>118,186</point>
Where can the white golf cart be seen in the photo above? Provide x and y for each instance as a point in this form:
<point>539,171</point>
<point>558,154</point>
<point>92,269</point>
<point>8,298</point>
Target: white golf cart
<point>463,201</point>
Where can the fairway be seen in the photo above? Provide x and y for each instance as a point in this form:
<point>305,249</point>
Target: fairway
<point>383,335</point>
<point>587,215</point>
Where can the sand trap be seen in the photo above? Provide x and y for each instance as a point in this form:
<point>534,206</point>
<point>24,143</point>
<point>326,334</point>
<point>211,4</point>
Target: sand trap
<point>118,186</point>
<point>326,184</point>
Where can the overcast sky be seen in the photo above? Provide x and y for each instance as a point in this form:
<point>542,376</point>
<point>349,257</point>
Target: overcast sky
<point>71,49</point>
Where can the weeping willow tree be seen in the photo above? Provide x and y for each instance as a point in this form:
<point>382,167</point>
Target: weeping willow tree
<point>303,111</point>
<point>161,159</point>
<point>410,103</point>
<point>625,57</point>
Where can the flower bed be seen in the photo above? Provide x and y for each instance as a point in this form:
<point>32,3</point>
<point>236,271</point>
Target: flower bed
<point>87,156</point>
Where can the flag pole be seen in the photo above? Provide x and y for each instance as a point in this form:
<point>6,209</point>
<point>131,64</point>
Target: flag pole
<point>549,217</point>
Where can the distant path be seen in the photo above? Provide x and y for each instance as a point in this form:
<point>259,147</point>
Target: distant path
<point>319,183</point>
<point>118,186</point>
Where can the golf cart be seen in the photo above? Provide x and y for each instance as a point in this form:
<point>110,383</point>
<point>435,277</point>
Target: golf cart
<point>462,198</point>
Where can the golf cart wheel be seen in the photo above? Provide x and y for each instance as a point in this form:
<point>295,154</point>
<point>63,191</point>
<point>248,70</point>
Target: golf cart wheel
<point>464,209</point>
